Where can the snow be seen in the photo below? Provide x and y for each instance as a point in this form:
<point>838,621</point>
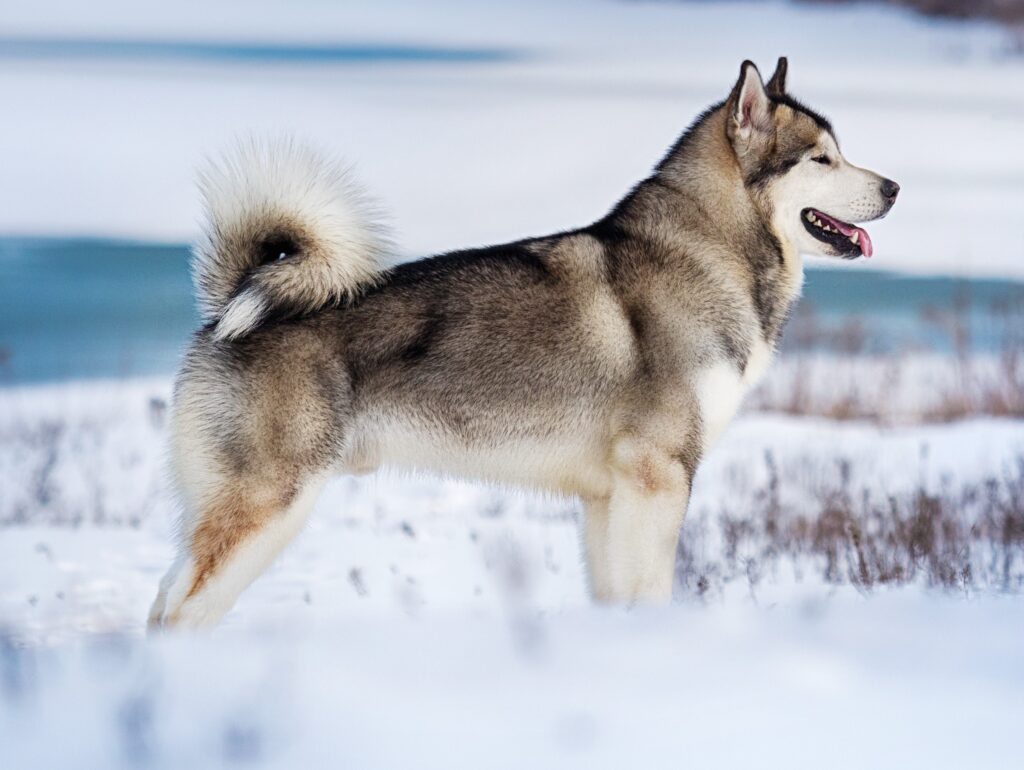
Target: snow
<point>849,684</point>
<point>432,623</point>
<point>592,94</point>
<point>88,518</point>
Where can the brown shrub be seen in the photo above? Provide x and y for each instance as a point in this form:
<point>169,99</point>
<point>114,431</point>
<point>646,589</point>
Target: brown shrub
<point>967,539</point>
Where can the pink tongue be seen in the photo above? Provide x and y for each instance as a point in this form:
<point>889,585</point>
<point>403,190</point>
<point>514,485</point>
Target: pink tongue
<point>866,247</point>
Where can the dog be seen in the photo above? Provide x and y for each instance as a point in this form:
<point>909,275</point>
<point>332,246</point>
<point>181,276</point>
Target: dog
<point>600,363</point>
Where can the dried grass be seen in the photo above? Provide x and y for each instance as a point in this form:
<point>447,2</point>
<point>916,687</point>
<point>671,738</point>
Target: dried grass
<point>965,539</point>
<point>978,384</point>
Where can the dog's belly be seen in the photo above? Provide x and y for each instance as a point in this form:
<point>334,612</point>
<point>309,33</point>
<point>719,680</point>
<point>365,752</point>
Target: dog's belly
<point>571,463</point>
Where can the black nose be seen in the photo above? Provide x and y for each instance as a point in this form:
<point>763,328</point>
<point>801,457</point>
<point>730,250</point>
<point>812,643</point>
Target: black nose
<point>890,189</point>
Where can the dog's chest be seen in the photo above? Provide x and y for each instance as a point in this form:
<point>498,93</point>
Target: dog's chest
<point>721,387</point>
<point>760,358</point>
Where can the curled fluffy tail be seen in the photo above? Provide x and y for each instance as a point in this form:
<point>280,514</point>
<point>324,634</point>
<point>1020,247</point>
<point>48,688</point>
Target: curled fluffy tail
<point>287,231</point>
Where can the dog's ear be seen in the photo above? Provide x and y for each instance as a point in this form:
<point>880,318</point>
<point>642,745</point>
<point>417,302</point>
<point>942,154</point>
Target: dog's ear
<point>777,85</point>
<point>748,109</point>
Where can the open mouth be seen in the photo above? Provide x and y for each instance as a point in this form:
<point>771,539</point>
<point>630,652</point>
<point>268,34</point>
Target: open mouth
<point>848,240</point>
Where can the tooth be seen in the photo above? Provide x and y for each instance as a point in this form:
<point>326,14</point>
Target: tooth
<point>855,237</point>
<point>810,217</point>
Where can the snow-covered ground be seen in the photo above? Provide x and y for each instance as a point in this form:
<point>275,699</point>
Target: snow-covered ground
<point>87,518</point>
<point>847,684</point>
<point>593,93</point>
<point>428,623</point>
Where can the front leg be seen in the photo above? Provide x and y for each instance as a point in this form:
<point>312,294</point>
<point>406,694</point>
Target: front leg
<point>650,491</point>
<point>595,548</point>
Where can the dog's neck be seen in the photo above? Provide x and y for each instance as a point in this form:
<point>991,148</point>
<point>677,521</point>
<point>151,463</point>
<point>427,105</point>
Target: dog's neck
<point>710,202</point>
<point>703,169</point>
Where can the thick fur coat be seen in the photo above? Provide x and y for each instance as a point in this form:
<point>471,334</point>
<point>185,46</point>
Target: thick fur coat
<point>601,362</point>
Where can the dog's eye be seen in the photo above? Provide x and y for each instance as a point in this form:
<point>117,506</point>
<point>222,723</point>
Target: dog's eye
<point>822,159</point>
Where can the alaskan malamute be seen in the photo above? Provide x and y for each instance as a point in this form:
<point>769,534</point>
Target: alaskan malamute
<point>600,362</point>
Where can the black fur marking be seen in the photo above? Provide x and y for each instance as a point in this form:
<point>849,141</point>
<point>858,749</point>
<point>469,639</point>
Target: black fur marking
<point>638,327</point>
<point>277,247</point>
<point>775,167</point>
<point>817,117</point>
<point>439,268</point>
<point>422,343</point>
<point>777,85</point>
<point>357,371</point>
<point>767,259</point>
<point>609,231</point>
<point>282,313</point>
<point>243,286</point>
<point>735,349</point>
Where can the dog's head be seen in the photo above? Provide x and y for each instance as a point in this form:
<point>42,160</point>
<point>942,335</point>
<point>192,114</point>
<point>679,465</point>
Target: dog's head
<point>791,164</point>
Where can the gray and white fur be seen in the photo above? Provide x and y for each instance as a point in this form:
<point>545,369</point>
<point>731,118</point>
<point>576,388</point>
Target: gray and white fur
<point>600,363</point>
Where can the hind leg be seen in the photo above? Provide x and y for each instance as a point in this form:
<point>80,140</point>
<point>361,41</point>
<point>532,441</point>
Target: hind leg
<point>156,611</point>
<point>237,534</point>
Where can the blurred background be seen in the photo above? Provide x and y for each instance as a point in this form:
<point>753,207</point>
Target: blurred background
<point>476,123</point>
<point>875,480</point>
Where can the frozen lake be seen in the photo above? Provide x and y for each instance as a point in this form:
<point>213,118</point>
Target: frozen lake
<point>86,308</point>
